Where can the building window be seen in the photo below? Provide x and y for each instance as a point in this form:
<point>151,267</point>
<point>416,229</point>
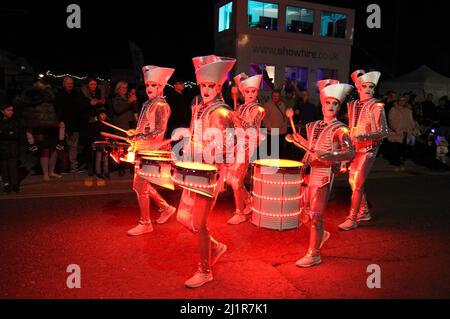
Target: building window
<point>299,75</point>
<point>299,20</point>
<point>268,72</point>
<point>262,15</point>
<point>323,74</point>
<point>333,24</point>
<point>225,12</point>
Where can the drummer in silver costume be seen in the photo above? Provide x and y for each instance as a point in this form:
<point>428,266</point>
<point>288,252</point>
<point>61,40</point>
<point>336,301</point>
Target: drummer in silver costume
<point>328,143</point>
<point>248,116</point>
<point>368,126</point>
<point>211,113</point>
<point>147,136</point>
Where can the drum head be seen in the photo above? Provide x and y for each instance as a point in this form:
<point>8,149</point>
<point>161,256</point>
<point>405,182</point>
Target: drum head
<point>102,143</point>
<point>195,166</point>
<point>279,163</point>
<point>155,153</point>
<point>157,159</point>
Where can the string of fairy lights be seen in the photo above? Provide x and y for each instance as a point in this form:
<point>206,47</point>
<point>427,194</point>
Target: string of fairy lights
<point>187,84</point>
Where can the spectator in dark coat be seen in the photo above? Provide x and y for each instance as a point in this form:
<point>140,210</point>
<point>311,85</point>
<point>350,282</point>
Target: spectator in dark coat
<point>93,99</point>
<point>429,109</point>
<point>9,149</point>
<point>68,107</point>
<point>123,106</point>
<point>180,104</point>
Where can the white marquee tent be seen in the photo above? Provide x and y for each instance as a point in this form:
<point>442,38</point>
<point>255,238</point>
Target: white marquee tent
<point>420,81</point>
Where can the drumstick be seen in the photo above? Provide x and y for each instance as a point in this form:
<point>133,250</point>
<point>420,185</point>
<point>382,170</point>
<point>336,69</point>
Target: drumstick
<point>289,138</point>
<point>115,127</point>
<point>113,136</point>
<point>290,115</point>
<point>234,93</point>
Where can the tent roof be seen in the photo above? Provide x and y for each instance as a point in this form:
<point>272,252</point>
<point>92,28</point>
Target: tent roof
<point>421,75</point>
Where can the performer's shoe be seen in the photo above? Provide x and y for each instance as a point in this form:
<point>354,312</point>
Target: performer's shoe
<point>237,219</point>
<point>308,261</point>
<point>166,214</point>
<point>364,216</point>
<point>349,224</point>
<point>199,279</point>
<point>217,252</point>
<point>325,237</point>
<point>140,229</point>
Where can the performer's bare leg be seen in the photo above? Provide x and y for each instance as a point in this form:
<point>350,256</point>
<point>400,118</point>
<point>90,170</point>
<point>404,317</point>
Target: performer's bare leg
<point>145,192</point>
<point>364,213</point>
<point>210,248</point>
<point>359,170</point>
<point>313,217</point>
<point>242,197</point>
<point>166,210</point>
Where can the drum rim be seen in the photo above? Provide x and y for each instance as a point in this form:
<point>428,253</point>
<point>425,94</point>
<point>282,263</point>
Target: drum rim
<point>258,163</point>
<point>155,152</point>
<point>155,159</point>
<point>212,170</point>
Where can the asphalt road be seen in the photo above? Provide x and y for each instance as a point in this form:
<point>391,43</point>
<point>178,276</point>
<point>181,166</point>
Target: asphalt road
<point>408,238</point>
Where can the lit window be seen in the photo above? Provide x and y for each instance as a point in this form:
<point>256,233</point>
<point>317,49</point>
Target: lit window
<point>300,20</point>
<point>262,15</point>
<point>333,24</point>
<point>225,12</point>
<point>268,72</point>
<point>297,74</point>
<point>323,74</point>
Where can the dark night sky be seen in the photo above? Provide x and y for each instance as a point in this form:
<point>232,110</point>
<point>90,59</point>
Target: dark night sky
<point>170,33</point>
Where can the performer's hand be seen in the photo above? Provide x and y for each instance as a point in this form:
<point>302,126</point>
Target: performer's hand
<point>136,137</point>
<point>131,132</point>
<point>313,156</point>
<point>359,138</point>
<point>33,148</point>
<point>60,146</point>
<point>297,137</point>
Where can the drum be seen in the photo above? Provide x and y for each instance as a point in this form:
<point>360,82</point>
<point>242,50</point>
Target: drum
<point>109,146</point>
<point>197,177</point>
<point>277,193</point>
<point>117,150</point>
<point>156,170</point>
<point>156,153</point>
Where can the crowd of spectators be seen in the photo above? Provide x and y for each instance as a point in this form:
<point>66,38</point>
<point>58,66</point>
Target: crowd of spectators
<point>53,131</point>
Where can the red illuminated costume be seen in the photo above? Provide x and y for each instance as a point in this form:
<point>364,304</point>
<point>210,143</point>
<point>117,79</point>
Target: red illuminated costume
<point>248,117</point>
<point>212,112</point>
<point>368,126</point>
<point>149,133</point>
<point>329,143</point>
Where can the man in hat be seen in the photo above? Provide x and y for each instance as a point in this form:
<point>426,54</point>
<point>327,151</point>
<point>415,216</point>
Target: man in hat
<point>211,113</point>
<point>149,133</point>
<point>328,143</point>
<point>368,126</point>
<point>248,116</point>
<point>179,99</point>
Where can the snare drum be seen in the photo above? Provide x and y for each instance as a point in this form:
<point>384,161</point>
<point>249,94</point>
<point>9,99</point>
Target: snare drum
<point>156,153</point>
<point>156,170</point>
<point>277,193</point>
<point>197,177</point>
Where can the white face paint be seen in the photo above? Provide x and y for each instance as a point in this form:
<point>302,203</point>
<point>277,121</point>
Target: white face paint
<point>366,91</point>
<point>209,91</point>
<point>153,90</point>
<point>330,107</point>
<point>250,95</point>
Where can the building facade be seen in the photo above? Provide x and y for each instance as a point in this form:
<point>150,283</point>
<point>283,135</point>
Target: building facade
<point>286,40</point>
